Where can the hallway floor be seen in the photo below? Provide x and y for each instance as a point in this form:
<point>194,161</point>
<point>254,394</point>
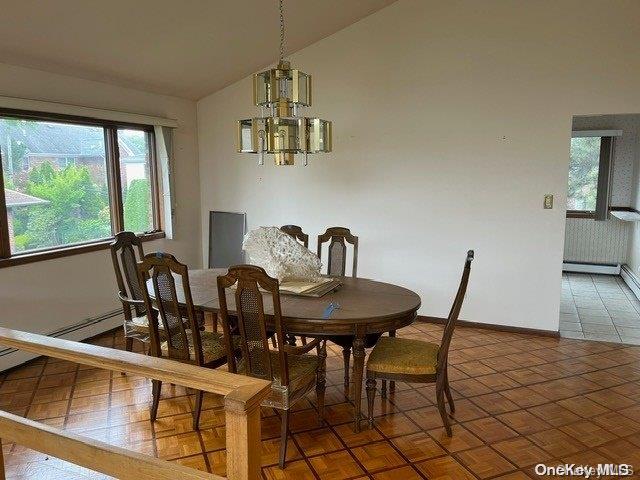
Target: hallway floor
<point>599,307</point>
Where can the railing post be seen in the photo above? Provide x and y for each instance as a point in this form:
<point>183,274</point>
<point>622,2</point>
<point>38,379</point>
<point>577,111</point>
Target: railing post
<point>2,472</point>
<point>244,450</point>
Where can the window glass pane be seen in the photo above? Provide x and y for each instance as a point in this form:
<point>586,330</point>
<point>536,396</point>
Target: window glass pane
<point>135,173</point>
<point>55,182</point>
<point>583,173</point>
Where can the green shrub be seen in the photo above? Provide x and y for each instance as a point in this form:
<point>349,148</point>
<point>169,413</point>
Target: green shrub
<point>137,206</point>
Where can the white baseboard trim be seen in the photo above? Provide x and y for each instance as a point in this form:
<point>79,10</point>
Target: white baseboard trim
<point>631,279</point>
<point>90,327</point>
<point>591,268</point>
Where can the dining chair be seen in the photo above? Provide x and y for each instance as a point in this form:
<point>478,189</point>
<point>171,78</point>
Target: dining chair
<point>126,250</point>
<point>417,361</point>
<point>296,232</point>
<point>291,369</point>
<point>182,340</point>
<point>338,238</point>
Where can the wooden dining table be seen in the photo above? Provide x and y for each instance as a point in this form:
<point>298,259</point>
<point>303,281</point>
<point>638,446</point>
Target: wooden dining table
<point>365,307</point>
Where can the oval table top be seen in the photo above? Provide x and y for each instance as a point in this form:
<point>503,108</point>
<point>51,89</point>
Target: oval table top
<point>368,303</point>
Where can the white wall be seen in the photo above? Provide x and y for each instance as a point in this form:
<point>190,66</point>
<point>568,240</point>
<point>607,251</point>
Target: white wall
<point>451,121</point>
<point>45,296</point>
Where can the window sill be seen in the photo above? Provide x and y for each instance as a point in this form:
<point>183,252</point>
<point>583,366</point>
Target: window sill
<point>22,259</point>
<point>580,214</point>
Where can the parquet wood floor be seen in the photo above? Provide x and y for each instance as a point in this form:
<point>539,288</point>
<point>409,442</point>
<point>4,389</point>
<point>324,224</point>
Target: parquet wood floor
<point>520,400</point>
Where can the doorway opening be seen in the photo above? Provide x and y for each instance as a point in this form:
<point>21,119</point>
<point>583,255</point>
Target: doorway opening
<point>601,269</point>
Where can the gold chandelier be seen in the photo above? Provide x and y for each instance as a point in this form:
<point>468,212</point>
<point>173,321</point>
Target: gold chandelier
<point>280,93</point>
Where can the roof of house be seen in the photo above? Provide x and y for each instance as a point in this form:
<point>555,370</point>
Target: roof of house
<point>17,199</point>
<point>53,139</point>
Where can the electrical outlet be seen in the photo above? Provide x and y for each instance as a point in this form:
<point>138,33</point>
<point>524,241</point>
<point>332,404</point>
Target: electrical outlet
<point>548,201</point>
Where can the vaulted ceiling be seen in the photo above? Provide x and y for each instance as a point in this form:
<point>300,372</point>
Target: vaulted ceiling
<point>186,48</point>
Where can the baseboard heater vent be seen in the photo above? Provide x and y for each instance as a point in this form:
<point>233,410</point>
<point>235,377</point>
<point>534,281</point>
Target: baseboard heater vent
<point>631,279</point>
<point>84,329</point>
<point>584,267</point>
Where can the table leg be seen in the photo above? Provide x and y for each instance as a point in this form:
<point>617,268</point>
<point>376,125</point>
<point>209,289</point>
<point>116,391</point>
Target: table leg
<point>392,384</point>
<point>358,368</point>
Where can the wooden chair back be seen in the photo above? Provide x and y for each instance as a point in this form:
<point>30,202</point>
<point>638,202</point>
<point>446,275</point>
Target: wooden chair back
<point>163,269</point>
<point>338,237</point>
<point>443,352</point>
<point>257,362</point>
<point>126,250</point>
<point>296,232</point>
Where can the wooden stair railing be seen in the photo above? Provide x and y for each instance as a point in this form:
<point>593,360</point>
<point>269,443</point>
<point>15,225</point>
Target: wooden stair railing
<point>242,397</point>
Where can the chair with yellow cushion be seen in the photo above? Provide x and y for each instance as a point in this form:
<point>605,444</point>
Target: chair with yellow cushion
<point>253,298</point>
<point>181,338</point>
<point>408,360</point>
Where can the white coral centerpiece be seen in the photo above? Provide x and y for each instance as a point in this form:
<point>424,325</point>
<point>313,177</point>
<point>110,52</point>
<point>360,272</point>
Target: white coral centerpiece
<point>281,255</point>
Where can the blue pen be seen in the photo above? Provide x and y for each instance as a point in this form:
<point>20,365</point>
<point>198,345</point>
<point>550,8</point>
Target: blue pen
<point>329,310</point>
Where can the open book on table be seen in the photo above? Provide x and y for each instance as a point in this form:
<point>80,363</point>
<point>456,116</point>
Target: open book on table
<point>309,288</point>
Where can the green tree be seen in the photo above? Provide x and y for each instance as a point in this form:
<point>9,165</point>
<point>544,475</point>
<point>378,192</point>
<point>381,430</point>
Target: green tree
<point>137,204</point>
<point>78,209</point>
<point>42,174</point>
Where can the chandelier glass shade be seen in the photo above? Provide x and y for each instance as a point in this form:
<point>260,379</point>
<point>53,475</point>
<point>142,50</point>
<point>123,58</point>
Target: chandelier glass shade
<point>280,93</point>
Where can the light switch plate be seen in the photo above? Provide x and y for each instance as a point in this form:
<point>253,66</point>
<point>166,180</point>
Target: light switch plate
<point>548,201</point>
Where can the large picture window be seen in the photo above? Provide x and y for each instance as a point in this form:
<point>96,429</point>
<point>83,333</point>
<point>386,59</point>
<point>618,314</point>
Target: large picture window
<point>73,183</point>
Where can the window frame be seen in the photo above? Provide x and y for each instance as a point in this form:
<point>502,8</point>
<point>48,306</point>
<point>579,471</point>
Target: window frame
<point>603,183</point>
<point>116,204</point>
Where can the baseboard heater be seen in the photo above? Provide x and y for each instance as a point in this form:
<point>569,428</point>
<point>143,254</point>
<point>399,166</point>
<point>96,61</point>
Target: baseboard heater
<point>87,328</point>
<point>631,279</point>
<point>585,267</point>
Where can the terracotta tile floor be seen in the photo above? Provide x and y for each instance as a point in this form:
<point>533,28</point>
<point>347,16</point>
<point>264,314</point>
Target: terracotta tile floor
<point>520,400</point>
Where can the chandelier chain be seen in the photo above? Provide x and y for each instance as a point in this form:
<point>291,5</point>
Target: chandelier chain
<point>281,31</point>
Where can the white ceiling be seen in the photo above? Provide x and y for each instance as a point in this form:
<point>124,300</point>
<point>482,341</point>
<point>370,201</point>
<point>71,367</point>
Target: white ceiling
<point>186,48</point>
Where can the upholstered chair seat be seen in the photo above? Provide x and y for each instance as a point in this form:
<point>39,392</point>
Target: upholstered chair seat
<point>299,366</point>
<point>302,377</point>
<point>137,327</point>
<point>404,356</point>
<point>213,347</point>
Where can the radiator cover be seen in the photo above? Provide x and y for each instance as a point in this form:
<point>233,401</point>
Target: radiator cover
<point>588,241</point>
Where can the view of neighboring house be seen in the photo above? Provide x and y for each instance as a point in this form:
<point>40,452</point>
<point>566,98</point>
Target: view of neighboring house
<point>16,200</point>
<point>29,144</point>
